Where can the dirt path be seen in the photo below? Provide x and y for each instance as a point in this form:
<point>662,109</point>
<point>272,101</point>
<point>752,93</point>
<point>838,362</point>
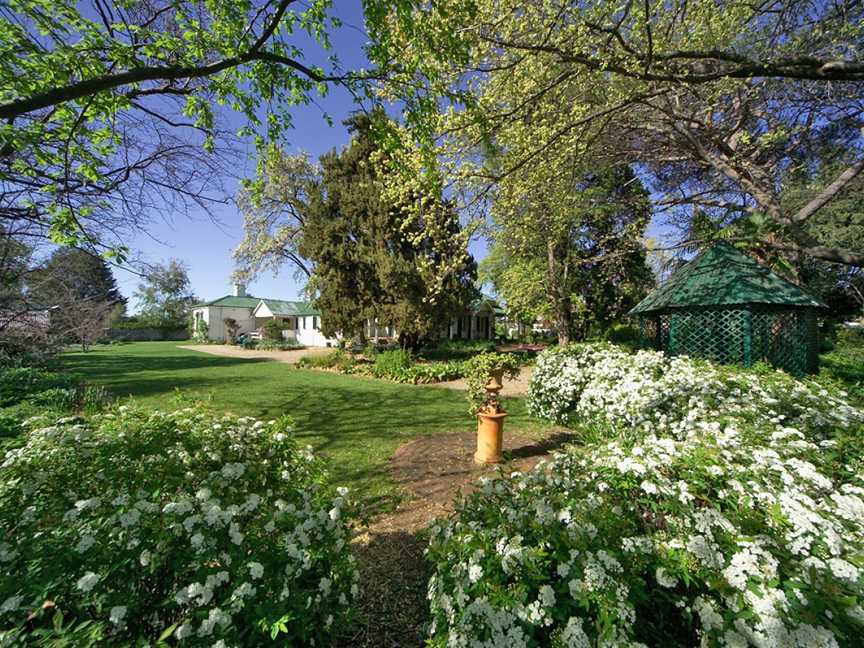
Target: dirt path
<point>512,386</point>
<point>229,351</point>
<point>393,611</point>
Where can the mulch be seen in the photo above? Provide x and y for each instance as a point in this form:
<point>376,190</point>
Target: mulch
<point>433,471</point>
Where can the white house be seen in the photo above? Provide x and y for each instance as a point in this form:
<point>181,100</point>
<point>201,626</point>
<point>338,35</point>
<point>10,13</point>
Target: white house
<point>302,322</point>
<point>238,307</point>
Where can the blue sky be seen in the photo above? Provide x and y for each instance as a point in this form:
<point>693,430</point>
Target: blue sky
<point>206,247</point>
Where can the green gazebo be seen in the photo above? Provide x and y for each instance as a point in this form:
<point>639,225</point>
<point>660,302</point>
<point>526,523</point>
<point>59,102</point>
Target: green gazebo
<point>725,307</point>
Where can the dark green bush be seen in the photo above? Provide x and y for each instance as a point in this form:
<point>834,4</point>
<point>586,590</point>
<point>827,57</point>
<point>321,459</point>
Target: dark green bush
<point>275,345</point>
<point>272,330</point>
<point>17,383</point>
<point>336,359</point>
<point>388,362</point>
<point>457,349</point>
<point>622,334</point>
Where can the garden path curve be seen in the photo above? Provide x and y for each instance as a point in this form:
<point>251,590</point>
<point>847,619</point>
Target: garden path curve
<point>433,471</point>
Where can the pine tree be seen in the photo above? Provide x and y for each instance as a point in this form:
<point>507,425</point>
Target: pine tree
<point>402,261</point>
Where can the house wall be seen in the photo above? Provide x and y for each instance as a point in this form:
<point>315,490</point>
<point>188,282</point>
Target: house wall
<point>214,317</point>
<point>476,326</point>
<point>308,332</point>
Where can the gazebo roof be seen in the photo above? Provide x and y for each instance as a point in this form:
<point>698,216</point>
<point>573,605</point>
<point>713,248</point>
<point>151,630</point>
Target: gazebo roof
<point>724,276</point>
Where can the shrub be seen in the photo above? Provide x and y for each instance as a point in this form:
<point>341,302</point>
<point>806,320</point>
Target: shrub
<point>457,349</point>
<point>599,382</point>
<point>480,368</point>
<point>422,373</point>
<point>272,330</point>
<point>247,342</point>
<point>273,345</point>
<point>17,383</point>
<point>727,509</point>
<point>390,362</point>
<point>137,527</point>
<point>336,359</point>
<point>232,328</point>
<point>622,334</point>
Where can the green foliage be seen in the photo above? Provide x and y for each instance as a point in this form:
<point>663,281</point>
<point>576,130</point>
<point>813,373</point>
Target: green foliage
<point>843,367</point>
<point>272,330</point>
<point>399,366</point>
<point>200,330</point>
<point>275,345</point>
<point>456,349</point>
<point>532,93</point>
<point>622,334</point>
<point>571,246</point>
<point>397,257</point>
<point>72,274</point>
<point>165,297</point>
<point>336,359</point>
<point>390,361</point>
<point>85,83</point>
<point>19,383</point>
<point>480,368</point>
<point>179,525</point>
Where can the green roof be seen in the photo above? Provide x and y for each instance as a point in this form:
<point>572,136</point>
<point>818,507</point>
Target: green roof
<point>281,307</point>
<point>231,301</point>
<point>724,276</point>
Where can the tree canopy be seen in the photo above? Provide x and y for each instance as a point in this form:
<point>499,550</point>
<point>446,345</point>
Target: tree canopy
<point>371,250</point>
<point>165,296</point>
<point>718,103</point>
<point>108,108</point>
<point>573,246</point>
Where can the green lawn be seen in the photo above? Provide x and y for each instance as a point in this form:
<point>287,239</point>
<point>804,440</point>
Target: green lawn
<point>355,423</point>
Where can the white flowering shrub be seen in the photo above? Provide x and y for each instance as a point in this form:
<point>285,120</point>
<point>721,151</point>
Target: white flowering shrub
<point>643,390</point>
<point>135,528</point>
<point>696,525</point>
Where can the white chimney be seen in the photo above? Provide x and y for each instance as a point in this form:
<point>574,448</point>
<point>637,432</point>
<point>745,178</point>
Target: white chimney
<point>239,290</point>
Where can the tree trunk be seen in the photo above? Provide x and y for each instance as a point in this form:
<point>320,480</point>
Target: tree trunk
<point>556,276</point>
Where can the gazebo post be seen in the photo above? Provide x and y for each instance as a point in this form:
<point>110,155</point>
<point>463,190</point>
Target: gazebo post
<point>748,336</point>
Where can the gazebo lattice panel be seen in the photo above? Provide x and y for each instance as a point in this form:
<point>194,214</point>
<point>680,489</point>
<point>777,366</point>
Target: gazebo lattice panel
<point>785,338</point>
<point>725,307</point>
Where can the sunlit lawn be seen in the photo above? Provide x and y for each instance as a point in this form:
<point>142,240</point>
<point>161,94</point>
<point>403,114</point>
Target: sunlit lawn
<point>355,423</point>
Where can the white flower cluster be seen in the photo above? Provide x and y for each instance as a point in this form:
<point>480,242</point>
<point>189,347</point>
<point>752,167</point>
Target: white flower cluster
<point>656,393</point>
<point>117,516</point>
<point>722,509</point>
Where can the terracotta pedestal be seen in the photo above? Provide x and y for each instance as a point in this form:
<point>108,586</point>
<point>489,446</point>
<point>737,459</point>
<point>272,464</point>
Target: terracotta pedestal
<point>490,436</point>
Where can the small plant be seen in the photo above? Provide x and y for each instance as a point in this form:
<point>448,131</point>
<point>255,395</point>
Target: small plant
<point>389,362</point>
<point>200,330</point>
<point>232,328</point>
<point>272,330</point>
<point>457,349</point>
<point>336,359</point>
<point>478,371</point>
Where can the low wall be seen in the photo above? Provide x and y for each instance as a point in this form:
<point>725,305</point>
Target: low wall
<point>147,334</point>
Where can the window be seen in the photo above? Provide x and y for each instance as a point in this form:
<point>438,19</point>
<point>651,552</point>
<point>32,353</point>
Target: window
<point>314,322</point>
